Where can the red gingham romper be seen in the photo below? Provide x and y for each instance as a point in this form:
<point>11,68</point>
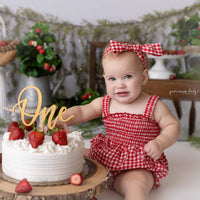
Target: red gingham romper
<point>122,147</point>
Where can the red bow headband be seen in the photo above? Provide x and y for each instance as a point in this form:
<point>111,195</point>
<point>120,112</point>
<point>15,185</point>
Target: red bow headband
<point>153,49</point>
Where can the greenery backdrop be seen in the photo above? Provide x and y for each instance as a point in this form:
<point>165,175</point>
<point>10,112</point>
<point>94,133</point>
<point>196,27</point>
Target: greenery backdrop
<point>73,40</point>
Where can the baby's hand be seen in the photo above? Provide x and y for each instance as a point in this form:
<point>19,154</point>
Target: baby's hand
<point>154,149</point>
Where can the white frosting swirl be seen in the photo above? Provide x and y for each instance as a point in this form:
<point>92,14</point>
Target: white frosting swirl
<point>74,139</point>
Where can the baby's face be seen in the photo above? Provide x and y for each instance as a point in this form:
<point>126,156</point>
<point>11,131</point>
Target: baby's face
<point>124,76</point>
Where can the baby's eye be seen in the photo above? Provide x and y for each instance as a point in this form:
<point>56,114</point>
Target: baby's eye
<point>128,76</point>
<point>111,78</point>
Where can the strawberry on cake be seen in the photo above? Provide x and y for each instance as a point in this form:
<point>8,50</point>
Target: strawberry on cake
<point>41,158</point>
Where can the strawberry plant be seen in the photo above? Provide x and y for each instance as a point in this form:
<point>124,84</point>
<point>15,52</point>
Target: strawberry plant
<point>35,52</point>
<point>187,31</point>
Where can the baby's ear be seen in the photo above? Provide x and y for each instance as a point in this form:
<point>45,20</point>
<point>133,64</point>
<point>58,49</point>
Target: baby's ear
<point>145,77</point>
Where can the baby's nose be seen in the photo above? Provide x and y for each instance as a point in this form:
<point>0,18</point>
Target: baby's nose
<point>121,84</point>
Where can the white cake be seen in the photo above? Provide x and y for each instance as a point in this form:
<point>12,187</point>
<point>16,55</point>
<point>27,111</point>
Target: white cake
<point>48,163</point>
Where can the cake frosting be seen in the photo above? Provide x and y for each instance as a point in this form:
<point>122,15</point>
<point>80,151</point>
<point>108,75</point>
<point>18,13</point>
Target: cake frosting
<point>48,163</point>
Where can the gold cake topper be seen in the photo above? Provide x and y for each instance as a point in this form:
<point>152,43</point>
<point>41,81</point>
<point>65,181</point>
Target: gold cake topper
<point>44,112</point>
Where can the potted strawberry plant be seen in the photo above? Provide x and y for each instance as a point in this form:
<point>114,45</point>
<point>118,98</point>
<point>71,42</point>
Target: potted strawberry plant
<point>36,55</point>
<point>38,61</point>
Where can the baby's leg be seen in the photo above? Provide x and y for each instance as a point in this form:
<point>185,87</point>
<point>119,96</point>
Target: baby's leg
<point>134,184</point>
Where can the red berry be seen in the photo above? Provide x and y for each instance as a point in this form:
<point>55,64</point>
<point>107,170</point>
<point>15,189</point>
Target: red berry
<point>41,51</point>
<point>60,137</point>
<point>36,138</point>
<point>16,134</point>
<point>12,125</point>
<point>76,179</point>
<point>3,43</point>
<point>180,52</point>
<point>38,30</point>
<point>23,186</point>
<point>30,43</point>
<point>88,94</point>
<point>172,77</point>
<point>199,28</point>
<point>46,66</point>
<point>30,127</point>
<point>51,69</point>
<point>84,97</point>
<point>165,52</point>
<point>182,41</point>
<point>39,47</point>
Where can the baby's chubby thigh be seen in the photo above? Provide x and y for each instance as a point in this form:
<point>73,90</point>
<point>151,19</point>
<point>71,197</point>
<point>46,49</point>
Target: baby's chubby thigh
<point>134,182</point>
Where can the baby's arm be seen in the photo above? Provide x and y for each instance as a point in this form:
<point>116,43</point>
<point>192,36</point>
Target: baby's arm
<point>81,114</point>
<point>170,131</point>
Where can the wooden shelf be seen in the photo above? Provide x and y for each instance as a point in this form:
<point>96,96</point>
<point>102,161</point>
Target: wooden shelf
<point>176,89</point>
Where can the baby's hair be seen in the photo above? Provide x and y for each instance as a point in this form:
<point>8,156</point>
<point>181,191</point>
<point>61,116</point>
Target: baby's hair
<point>110,53</point>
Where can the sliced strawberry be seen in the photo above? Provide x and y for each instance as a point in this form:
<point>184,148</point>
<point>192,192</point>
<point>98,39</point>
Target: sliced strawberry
<point>16,134</point>
<point>23,186</point>
<point>60,137</point>
<point>12,125</point>
<point>36,138</point>
<point>76,179</point>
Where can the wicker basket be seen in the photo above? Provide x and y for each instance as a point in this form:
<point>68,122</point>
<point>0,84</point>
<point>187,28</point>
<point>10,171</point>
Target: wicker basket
<point>7,57</point>
<point>8,52</point>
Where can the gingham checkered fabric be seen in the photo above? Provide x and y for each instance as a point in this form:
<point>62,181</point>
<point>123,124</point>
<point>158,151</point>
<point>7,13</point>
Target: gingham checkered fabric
<point>152,49</point>
<point>123,146</point>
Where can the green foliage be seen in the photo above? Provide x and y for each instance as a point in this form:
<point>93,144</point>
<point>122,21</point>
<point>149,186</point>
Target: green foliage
<point>195,141</point>
<point>3,124</point>
<point>187,30</point>
<point>194,74</point>
<point>32,60</point>
<point>82,98</point>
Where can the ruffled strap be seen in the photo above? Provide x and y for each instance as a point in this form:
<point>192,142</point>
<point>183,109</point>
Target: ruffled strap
<point>150,105</point>
<point>105,105</point>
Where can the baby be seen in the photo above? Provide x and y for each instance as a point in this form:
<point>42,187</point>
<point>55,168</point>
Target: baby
<point>139,127</point>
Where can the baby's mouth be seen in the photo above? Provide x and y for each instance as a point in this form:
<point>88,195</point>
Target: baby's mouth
<point>122,94</point>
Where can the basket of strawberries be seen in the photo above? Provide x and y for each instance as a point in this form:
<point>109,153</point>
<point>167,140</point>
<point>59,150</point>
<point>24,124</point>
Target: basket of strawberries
<point>8,51</point>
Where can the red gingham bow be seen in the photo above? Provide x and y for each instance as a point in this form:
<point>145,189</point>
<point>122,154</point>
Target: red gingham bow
<point>153,49</point>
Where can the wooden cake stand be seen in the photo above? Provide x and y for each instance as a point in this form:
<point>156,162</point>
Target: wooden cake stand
<point>96,181</point>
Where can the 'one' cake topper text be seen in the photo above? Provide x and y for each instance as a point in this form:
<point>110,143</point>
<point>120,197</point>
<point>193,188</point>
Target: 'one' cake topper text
<point>44,112</point>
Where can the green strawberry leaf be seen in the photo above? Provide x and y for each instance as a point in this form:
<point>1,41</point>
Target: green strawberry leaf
<point>49,38</point>
<point>49,53</point>
<point>40,58</point>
